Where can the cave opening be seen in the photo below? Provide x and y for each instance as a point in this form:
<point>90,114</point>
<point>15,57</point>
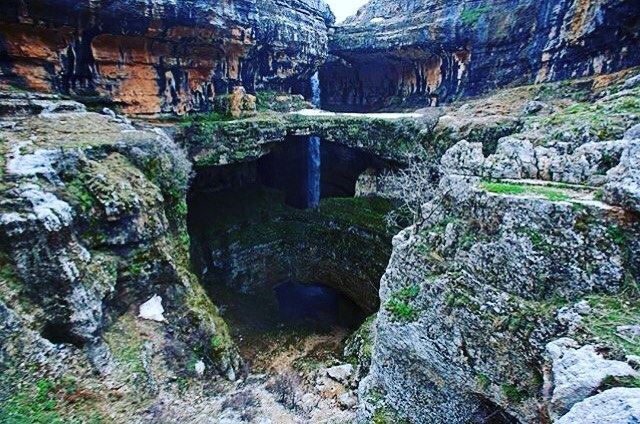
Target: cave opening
<point>283,243</point>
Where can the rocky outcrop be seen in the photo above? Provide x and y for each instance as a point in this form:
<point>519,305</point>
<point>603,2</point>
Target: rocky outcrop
<point>511,259</point>
<point>215,142</point>
<point>93,225</point>
<point>409,53</point>
<point>613,406</point>
<point>161,56</point>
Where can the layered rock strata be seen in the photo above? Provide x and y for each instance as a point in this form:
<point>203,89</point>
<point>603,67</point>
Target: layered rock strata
<point>161,56</point>
<point>409,53</point>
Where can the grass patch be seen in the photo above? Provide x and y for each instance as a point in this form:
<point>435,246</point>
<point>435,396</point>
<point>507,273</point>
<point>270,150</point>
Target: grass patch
<point>512,393</point>
<point>627,381</point>
<point>399,304</point>
<point>552,194</point>
<point>607,314</point>
<point>36,405</point>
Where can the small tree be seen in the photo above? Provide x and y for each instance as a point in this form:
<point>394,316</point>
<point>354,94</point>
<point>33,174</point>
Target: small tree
<point>416,188</point>
<point>285,387</point>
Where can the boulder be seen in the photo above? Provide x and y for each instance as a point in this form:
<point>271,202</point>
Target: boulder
<point>623,181</point>
<point>514,159</point>
<point>614,406</point>
<point>340,373</point>
<point>463,158</point>
<point>633,133</point>
<point>578,372</point>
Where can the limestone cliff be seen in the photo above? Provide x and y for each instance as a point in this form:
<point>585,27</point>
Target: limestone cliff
<point>512,298</point>
<point>424,52</point>
<point>161,56</point>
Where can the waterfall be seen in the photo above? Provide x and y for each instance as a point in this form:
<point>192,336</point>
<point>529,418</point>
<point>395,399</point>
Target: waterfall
<point>316,92</point>
<point>313,172</point>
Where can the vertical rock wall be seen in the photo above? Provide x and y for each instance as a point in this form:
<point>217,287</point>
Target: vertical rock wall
<point>161,55</point>
<point>421,53</point>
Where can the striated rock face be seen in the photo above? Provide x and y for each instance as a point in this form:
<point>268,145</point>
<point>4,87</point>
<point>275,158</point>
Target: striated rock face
<point>161,55</point>
<point>424,52</point>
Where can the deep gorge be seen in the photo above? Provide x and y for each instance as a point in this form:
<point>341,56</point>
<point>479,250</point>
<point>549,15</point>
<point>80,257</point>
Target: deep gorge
<point>254,211</point>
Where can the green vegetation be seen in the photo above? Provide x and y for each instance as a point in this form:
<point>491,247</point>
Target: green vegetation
<point>364,212</point>
<point>626,381</point>
<point>77,189</point>
<point>472,16</point>
<point>35,405</point>
<point>617,235</point>
<point>610,312</point>
<point>537,239</point>
<point>399,303</point>
<point>126,345</point>
<point>385,415</point>
<point>552,194</point>
<point>483,381</point>
<point>513,394</point>
<point>591,121</point>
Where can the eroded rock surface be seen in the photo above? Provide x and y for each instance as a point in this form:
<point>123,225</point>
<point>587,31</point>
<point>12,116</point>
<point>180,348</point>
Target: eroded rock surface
<point>162,56</point>
<point>409,53</point>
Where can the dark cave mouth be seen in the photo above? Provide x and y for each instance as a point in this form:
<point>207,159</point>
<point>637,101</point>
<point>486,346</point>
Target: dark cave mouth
<point>275,242</point>
<point>316,306</point>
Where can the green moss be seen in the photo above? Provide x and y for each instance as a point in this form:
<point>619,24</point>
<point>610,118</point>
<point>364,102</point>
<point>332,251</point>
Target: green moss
<point>513,394</point>
<point>483,381</point>
<point>387,415</point>
<point>399,304</point>
<point>360,344</point>
<point>617,235</point>
<point>365,212</point>
<point>472,16</point>
<point>35,405</point>
<point>79,192</point>
<point>126,345</point>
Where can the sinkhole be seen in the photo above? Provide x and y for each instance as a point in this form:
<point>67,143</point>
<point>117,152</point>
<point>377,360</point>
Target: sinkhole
<point>282,242</point>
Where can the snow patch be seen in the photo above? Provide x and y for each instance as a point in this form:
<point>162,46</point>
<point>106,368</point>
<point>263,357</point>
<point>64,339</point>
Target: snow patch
<point>152,310</point>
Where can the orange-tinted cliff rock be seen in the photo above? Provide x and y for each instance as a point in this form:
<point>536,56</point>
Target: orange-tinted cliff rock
<point>161,55</point>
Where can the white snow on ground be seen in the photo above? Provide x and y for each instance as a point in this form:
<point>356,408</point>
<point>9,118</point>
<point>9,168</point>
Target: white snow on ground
<point>152,309</point>
<point>317,112</point>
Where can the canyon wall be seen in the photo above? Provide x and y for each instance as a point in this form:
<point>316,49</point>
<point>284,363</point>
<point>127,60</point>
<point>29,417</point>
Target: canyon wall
<point>418,53</point>
<point>162,55</point>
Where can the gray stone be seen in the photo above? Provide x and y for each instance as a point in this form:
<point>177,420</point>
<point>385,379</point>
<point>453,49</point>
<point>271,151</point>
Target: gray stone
<point>340,373</point>
<point>464,158</point>
<point>633,133</point>
<point>614,406</point>
<point>347,400</point>
<point>623,181</point>
<point>514,158</point>
<point>533,107</point>
<point>578,372</point>
<point>632,82</point>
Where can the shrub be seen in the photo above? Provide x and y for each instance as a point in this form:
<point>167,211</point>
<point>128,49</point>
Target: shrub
<point>245,403</point>
<point>285,387</point>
